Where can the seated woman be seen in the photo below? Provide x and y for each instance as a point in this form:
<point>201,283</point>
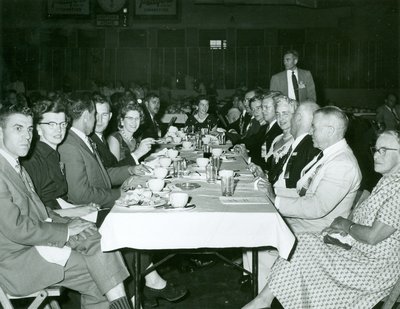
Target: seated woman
<point>123,143</point>
<point>201,119</point>
<point>321,275</point>
<point>43,164</point>
<point>275,158</point>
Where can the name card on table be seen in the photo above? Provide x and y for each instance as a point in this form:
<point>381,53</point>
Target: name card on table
<point>251,200</point>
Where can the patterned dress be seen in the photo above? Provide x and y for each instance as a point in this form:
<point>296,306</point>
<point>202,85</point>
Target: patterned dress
<point>124,150</point>
<point>327,276</point>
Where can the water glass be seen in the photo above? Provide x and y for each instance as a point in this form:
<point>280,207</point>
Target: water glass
<point>216,161</point>
<point>206,151</point>
<point>178,168</point>
<point>211,173</point>
<point>227,185</point>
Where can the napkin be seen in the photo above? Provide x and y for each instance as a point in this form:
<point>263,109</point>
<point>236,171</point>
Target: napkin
<point>153,163</point>
<point>162,152</point>
<point>230,200</point>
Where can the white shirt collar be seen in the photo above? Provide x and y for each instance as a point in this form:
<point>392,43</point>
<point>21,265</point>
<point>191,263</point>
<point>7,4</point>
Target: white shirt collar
<point>271,124</point>
<point>82,136</point>
<point>99,135</point>
<point>298,140</point>
<point>334,148</point>
<point>10,159</point>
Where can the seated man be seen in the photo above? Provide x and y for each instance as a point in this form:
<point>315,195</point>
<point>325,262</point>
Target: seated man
<point>327,185</point>
<point>39,248</point>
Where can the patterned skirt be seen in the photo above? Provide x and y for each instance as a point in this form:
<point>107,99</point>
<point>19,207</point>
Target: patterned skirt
<point>327,276</point>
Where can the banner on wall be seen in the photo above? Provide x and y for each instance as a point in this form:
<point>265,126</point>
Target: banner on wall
<point>156,7</point>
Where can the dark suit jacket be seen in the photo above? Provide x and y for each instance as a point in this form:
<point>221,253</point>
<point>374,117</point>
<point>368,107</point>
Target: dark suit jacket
<point>107,157</point>
<point>88,180</point>
<point>267,138</point>
<point>279,82</point>
<point>22,269</point>
<point>149,127</point>
<point>301,156</point>
<point>245,131</point>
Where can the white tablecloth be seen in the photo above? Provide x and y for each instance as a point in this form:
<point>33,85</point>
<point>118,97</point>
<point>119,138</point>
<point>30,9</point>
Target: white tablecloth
<point>210,225</point>
<point>180,118</point>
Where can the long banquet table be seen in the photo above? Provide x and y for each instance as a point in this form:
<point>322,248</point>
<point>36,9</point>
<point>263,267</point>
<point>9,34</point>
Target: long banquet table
<point>248,221</point>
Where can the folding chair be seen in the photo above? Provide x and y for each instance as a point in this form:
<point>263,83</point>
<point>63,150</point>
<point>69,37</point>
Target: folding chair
<point>40,297</point>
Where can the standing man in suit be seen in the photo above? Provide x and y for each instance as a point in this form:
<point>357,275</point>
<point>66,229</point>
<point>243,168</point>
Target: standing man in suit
<point>295,83</point>
<point>388,114</point>
<point>40,248</point>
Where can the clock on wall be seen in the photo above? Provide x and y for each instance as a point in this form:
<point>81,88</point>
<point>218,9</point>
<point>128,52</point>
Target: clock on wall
<point>111,6</point>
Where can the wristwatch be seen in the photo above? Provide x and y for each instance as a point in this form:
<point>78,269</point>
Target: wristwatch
<point>350,227</point>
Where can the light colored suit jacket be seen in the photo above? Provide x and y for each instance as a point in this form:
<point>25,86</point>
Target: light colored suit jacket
<point>22,269</point>
<point>335,180</point>
<point>279,82</point>
<point>88,180</point>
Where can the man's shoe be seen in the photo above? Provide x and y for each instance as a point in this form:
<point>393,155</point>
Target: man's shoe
<point>170,293</point>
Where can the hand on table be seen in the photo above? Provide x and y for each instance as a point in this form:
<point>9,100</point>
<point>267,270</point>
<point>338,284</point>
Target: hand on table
<point>257,171</point>
<point>138,170</point>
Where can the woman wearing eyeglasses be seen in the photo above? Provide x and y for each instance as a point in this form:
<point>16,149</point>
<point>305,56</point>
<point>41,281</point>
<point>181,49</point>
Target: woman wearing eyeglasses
<point>355,262</point>
<point>123,142</point>
<point>43,164</point>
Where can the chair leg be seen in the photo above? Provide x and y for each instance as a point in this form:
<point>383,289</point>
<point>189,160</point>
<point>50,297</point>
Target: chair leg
<point>38,300</point>
<point>54,304</point>
<point>4,301</point>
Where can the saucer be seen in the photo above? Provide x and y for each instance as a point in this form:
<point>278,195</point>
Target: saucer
<point>187,185</point>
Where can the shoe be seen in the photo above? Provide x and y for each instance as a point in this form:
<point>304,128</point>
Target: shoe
<point>202,262</point>
<point>170,293</point>
<point>243,279</point>
<point>246,284</point>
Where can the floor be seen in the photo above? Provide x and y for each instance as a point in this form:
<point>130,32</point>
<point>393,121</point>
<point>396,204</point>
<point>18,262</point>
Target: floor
<point>212,287</point>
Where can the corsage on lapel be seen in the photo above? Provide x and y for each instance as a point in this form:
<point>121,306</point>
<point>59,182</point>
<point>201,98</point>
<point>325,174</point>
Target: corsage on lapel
<point>302,85</point>
<point>62,168</point>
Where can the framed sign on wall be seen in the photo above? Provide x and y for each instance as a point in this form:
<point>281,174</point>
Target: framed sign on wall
<point>68,8</point>
<point>156,9</point>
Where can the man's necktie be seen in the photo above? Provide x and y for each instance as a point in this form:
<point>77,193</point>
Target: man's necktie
<point>289,161</point>
<point>320,155</point>
<point>307,184</point>
<point>94,149</point>
<point>295,86</point>
<point>25,178</point>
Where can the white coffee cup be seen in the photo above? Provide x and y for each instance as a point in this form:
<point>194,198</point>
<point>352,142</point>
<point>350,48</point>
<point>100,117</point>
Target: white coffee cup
<point>156,185</point>
<point>160,172</point>
<point>206,140</point>
<point>165,162</point>
<point>202,162</point>
<point>172,153</point>
<point>216,152</point>
<point>186,145</point>
<point>177,139</point>
<point>178,199</point>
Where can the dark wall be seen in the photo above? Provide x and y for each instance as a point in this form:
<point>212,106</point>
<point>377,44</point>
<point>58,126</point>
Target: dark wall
<point>354,46</point>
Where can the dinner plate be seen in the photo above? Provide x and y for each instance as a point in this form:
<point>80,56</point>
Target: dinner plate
<point>187,207</point>
<point>187,185</point>
<point>135,206</point>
